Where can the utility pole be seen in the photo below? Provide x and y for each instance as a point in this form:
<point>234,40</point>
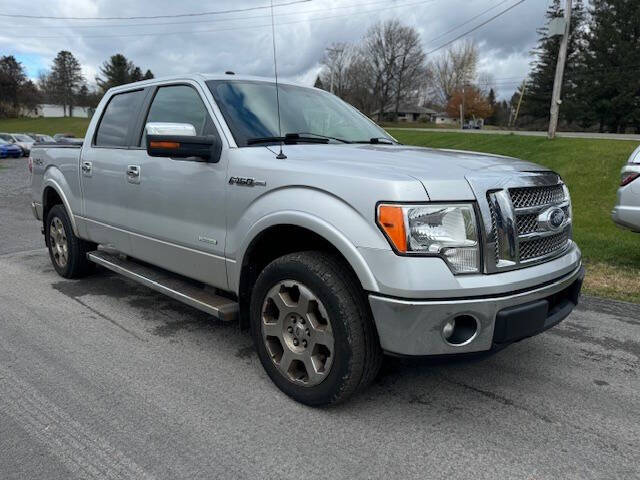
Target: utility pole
<point>524,89</point>
<point>462,111</point>
<point>557,84</point>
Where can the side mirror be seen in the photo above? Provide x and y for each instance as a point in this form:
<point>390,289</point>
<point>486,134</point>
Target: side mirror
<point>178,140</point>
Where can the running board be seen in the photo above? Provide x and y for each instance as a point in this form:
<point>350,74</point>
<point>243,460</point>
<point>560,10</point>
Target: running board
<point>170,284</point>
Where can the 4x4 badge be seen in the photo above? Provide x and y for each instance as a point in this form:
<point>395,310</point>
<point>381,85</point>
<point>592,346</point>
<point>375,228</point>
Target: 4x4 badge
<point>247,182</point>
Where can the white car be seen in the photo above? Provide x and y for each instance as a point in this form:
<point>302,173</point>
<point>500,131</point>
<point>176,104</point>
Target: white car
<point>25,142</point>
<point>626,213</point>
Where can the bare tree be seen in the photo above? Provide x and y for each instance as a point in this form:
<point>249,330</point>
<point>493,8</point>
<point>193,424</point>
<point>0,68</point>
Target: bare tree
<point>455,68</point>
<point>336,62</point>
<point>410,66</point>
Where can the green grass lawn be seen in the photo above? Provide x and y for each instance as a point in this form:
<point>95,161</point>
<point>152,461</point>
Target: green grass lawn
<point>48,126</point>
<point>591,169</point>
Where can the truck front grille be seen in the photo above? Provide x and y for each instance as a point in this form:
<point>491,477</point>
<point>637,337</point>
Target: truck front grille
<point>521,234</point>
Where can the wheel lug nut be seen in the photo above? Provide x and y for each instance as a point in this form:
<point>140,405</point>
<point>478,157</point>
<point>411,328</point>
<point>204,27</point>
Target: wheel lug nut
<point>308,332</point>
<point>304,343</point>
<point>293,320</point>
<point>295,342</point>
<point>302,321</point>
<point>290,329</point>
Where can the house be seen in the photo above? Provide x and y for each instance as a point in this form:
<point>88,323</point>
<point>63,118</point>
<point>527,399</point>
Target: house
<point>443,118</point>
<point>406,113</point>
<point>48,110</point>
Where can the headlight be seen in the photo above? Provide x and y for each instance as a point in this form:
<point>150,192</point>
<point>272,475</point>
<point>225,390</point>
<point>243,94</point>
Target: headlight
<point>445,230</point>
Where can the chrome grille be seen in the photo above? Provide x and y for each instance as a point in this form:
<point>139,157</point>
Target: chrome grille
<point>541,247</point>
<point>520,230</point>
<point>536,196</point>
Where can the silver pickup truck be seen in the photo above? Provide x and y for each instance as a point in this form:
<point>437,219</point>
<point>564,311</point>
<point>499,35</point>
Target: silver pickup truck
<point>313,226</point>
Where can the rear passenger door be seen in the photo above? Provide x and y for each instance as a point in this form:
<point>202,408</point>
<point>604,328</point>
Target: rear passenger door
<point>177,206</point>
<point>103,171</point>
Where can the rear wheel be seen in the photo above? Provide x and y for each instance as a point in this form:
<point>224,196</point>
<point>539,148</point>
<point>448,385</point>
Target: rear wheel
<point>68,253</point>
<point>312,329</point>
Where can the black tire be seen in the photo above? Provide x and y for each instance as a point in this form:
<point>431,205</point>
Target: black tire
<point>357,355</point>
<point>76,264</point>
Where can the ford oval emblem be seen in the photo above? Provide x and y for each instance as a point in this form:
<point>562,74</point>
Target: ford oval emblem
<point>552,219</point>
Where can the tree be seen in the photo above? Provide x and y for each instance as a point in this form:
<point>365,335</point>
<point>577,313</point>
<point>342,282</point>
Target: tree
<point>491,100</point>
<point>609,86</point>
<point>410,67</point>
<point>455,68</point>
<point>541,78</point>
<point>12,78</point>
<point>66,78</point>
<point>336,61</point>
<point>118,70</point>
<point>475,103</point>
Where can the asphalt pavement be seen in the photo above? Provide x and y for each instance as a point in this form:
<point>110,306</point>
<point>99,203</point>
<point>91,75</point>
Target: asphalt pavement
<point>103,378</point>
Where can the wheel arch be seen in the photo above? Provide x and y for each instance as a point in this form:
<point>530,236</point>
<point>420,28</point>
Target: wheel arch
<point>53,194</point>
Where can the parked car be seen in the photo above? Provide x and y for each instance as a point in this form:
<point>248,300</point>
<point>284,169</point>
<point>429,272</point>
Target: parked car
<point>23,141</point>
<point>40,138</point>
<point>9,150</point>
<point>59,136</point>
<point>333,242</point>
<point>626,213</point>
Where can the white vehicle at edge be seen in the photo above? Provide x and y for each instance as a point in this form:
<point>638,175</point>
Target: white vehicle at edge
<point>626,213</point>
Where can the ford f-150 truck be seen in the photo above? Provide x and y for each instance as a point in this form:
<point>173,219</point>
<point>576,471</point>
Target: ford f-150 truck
<point>304,220</point>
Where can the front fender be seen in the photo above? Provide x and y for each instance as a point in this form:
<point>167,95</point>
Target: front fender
<point>316,225</point>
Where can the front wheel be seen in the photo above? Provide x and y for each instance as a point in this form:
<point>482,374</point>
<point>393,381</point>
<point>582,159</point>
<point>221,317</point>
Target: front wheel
<point>312,328</point>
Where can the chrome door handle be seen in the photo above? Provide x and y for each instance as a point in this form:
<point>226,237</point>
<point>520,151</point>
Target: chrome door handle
<point>133,173</point>
<point>86,168</point>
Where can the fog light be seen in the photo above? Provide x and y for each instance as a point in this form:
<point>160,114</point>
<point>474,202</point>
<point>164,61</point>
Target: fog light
<point>460,330</point>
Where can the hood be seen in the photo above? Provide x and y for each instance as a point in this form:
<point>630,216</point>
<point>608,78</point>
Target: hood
<point>443,173</point>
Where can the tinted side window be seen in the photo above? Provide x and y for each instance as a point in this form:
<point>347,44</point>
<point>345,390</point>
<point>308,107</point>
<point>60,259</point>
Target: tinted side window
<point>118,117</point>
<point>179,104</point>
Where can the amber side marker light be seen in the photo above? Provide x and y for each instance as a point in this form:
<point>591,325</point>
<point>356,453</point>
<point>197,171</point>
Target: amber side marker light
<point>170,145</point>
<point>391,220</point>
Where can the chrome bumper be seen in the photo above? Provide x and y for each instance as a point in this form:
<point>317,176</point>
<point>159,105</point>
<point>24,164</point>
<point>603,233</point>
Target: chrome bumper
<point>412,327</point>
<point>36,209</point>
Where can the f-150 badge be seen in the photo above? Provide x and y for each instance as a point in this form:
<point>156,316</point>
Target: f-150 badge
<point>247,182</point>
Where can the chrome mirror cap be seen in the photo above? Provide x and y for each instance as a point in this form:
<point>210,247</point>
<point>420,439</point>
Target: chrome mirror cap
<point>167,128</point>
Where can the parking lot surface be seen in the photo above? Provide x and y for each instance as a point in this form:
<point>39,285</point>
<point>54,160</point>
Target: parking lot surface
<point>102,378</point>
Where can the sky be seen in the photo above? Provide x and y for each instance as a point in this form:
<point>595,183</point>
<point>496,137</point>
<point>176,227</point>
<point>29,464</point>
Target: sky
<point>241,41</point>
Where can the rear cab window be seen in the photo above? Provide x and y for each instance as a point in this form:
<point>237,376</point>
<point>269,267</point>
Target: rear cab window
<point>118,119</point>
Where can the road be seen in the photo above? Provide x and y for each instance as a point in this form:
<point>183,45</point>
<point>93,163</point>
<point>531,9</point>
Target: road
<point>591,135</point>
<point>102,378</point>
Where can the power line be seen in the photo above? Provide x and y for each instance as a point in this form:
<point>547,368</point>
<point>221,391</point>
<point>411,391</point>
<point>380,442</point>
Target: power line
<point>467,22</point>
<point>191,32</point>
<point>147,17</point>
<point>475,28</point>
<point>213,20</point>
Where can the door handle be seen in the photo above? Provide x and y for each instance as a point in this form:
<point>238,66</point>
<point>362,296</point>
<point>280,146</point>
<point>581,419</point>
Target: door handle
<point>133,173</point>
<point>86,169</point>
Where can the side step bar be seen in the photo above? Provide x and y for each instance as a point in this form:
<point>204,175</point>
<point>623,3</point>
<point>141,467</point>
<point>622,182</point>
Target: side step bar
<point>170,284</point>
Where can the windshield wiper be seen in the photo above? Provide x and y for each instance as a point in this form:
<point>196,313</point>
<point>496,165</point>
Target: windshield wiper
<point>377,140</point>
<point>288,139</point>
<point>341,140</point>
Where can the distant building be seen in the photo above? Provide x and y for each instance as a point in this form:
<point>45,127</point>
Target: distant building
<point>407,113</point>
<point>48,110</point>
<point>443,118</point>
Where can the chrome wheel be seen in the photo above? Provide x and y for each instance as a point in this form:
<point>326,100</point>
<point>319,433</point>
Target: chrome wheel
<point>58,242</point>
<point>297,333</point>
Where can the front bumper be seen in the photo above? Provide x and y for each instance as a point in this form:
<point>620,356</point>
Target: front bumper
<point>413,327</point>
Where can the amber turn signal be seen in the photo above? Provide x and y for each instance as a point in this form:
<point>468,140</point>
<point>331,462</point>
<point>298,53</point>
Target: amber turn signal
<point>170,145</point>
<point>391,220</point>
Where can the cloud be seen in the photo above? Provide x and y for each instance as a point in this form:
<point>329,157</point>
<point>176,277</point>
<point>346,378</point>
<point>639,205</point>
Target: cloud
<point>242,41</point>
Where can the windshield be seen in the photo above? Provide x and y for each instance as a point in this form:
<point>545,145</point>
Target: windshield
<point>45,138</point>
<point>250,110</point>
<point>23,138</point>
<point>3,142</point>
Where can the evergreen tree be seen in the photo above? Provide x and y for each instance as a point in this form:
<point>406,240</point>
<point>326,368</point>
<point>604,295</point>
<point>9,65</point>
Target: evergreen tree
<point>66,78</point>
<point>491,100</point>
<point>610,85</point>
<point>12,78</point>
<point>540,83</point>
<point>118,70</point>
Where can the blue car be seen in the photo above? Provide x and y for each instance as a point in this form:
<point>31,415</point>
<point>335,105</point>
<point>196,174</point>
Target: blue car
<point>9,150</point>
